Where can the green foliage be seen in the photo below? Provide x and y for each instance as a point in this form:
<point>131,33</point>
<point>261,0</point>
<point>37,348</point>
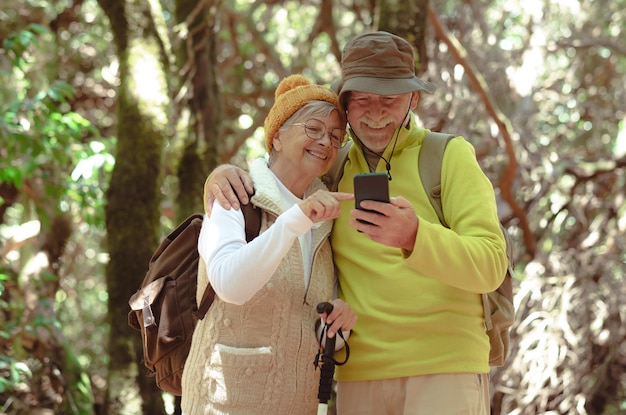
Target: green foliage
<point>40,138</point>
<point>17,45</point>
<point>12,373</point>
<point>58,162</point>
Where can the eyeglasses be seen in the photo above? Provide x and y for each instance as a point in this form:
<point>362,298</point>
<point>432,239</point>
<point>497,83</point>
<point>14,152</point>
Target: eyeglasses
<point>315,130</point>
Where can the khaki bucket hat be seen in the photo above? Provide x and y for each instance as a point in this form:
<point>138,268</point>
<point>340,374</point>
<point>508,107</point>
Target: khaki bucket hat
<point>380,63</point>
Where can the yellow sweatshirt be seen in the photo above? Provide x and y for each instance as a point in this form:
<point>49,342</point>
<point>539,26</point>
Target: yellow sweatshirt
<point>421,314</point>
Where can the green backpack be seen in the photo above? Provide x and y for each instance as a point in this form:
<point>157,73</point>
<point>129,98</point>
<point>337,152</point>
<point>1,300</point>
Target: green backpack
<point>498,305</point>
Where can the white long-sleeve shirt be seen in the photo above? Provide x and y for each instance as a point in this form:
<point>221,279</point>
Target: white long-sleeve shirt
<point>237,270</point>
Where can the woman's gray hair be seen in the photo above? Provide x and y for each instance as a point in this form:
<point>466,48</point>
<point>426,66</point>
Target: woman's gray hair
<point>310,109</point>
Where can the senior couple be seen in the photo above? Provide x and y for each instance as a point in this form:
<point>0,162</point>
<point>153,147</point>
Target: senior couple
<point>419,345</point>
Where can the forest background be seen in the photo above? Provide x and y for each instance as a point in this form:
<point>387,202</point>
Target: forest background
<point>112,113</point>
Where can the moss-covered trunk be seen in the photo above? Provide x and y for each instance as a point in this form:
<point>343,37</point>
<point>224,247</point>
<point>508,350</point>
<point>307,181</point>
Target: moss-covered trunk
<point>408,20</point>
<point>133,197</point>
<point>199,56</point>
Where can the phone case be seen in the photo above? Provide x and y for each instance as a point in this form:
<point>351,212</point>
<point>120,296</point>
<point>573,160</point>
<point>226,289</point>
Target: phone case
<point>371,186</point>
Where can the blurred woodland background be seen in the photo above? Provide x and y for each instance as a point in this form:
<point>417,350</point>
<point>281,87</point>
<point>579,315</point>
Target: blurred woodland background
<point>112,113</point>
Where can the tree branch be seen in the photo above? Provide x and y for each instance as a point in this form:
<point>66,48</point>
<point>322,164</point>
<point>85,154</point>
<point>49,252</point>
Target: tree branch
<point>504,126</point>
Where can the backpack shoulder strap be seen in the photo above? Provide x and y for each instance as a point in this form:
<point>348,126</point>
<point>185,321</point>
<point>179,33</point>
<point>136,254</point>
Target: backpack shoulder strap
<point>252,219</point>
<point>332,178</point>
<point>429,165</point>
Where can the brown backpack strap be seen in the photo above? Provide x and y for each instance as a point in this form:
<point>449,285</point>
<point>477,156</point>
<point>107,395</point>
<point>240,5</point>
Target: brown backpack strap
<point>205,303</point>
<point>252,219</point>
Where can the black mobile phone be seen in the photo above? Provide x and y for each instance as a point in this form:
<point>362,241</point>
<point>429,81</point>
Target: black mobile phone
<point>370,186</point>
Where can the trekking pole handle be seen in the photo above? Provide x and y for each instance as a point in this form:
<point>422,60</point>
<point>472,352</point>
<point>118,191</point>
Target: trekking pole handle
<point>329,349</point>
<point>325,307</point>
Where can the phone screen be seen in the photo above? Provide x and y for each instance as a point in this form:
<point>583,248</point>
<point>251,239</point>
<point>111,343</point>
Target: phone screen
<point>371,186</point>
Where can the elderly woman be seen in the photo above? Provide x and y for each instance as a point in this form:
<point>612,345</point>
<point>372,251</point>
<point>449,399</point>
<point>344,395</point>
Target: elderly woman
<point>253,353</point>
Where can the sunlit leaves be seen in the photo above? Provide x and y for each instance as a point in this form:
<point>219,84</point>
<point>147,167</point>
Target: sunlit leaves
<point>18,44</point>
<point>40,136</point>
<point>12,372</point>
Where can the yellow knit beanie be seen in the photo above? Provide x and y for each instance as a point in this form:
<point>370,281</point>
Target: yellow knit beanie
<point>293,93</point>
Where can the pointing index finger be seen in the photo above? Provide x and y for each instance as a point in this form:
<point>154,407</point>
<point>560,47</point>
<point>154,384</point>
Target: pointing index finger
<point>342,196</point>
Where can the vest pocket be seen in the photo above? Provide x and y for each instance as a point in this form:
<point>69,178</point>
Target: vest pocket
<point>239,375</point>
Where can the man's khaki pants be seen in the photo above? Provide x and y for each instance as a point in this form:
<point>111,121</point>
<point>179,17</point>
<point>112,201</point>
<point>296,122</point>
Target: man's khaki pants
<point>442,394</point>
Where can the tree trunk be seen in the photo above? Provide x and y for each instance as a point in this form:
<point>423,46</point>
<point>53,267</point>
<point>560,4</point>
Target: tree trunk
<point>133,197</point>
<point>199,57</point>
<point>406,19</point>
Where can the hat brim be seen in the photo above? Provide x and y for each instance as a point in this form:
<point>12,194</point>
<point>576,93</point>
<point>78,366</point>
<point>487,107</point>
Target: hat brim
<point>385,86</point>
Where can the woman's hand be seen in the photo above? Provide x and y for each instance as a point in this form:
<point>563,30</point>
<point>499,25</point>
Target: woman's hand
<point>323,205</point>
<point>342,317</point>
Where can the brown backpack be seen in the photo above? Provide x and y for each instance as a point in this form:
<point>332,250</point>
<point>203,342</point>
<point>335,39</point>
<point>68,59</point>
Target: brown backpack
<point>164,309</point>
<point>497,305</point>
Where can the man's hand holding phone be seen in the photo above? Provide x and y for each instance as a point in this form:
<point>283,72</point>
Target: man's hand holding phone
<point>389,221</point>
<point>370,187</point>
